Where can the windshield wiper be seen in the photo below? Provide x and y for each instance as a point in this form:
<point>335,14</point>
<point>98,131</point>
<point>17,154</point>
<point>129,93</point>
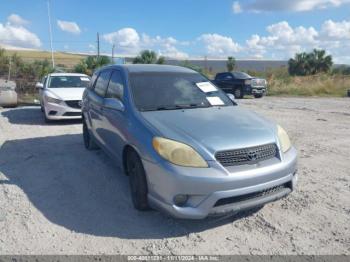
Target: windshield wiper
<point>175,107</point>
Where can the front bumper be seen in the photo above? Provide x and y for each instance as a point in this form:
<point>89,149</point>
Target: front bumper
<point>252,90</point>
<point>207,187</point>
<point>61,111</point>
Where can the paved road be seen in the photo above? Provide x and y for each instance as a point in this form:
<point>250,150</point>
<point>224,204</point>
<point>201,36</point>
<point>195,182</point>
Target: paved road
<point>58,198</point>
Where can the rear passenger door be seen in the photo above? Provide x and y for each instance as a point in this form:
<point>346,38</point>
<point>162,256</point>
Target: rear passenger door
<point>96,99</point>
<point>115,118</point>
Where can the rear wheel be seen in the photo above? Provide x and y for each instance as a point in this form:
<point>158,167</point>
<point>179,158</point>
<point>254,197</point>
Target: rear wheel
<point>238,92</point>
<point>89,142</point>
<point>138,181</point>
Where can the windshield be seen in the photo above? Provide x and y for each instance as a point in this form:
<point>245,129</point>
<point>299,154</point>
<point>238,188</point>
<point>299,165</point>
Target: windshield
<point>168,91</point>
<point>241,75</point>
<point>69,82</point>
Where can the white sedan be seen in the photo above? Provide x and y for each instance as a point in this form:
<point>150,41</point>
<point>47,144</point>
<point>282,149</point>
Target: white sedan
<point>61,95</point>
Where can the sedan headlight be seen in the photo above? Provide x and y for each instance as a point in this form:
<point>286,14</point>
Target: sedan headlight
<point>53,100</point>
<point>178,153</point>
<point>283,139</point>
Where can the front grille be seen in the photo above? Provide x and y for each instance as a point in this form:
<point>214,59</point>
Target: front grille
<point>258,82</point>
<point>264,193</point>
<point>249,155</point>
<point>72,114</point>
<point>74,103</point>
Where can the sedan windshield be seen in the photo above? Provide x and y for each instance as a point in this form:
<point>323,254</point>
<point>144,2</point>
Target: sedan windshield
<point>169,91</point>
<point>69,82</point>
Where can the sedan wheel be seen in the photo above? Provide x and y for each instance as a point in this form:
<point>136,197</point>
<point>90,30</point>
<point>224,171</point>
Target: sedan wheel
<point>137,179</point>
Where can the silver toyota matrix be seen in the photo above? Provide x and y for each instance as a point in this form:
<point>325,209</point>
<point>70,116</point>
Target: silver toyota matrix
<point>186,146</point>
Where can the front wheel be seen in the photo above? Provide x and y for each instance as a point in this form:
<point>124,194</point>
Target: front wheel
<point>258,95</point>
<point>238,92</point>
<point>138,181</point>
<point>47,121</point>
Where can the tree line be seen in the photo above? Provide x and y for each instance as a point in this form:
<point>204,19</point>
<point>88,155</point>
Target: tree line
<point>26,73</point>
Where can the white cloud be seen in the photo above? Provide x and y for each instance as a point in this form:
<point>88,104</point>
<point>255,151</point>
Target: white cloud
<point>236,7</point>
<point>294,6</point>
<point>219,45</point>
<point>283,41</point>
<point>336,30</point>
<point>70,27</point>
<point>129,41</point>
<point>15,19</point>
<point>14,34</point>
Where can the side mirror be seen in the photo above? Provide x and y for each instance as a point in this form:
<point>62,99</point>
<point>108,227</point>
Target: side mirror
<point>114,103</point>
<point>232,97</point>
<point>39,85</point>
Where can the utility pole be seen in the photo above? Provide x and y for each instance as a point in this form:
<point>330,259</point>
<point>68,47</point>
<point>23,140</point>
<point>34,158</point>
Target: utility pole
<point>50,31</point>
<point>98,45</point>
<point>9,75</point>
<point>113,52</point>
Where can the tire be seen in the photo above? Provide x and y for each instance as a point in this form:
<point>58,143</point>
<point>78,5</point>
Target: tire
<point>47,121</point>
<point>89,142</point>
<point>238,92</point>
<point>137,180</point>
<point>258,95</point>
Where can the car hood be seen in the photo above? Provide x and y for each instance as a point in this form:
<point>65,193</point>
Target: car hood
<point>213,129</point>
<point>73,93</point>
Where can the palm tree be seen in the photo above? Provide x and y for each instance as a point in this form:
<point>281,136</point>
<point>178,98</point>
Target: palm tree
<point>231,63</point>
<point>148,57</point>
<point>322,63</point>
<point>310,63</point>
<point>90,63</point>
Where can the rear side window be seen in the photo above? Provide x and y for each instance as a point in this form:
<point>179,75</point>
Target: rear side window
<point>116,86</point>
<point>228,77</point>
<point>223,76</point>
<point>102,83</point>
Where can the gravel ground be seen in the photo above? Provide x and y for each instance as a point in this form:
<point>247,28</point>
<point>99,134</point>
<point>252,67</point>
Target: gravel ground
<point>58,198</point>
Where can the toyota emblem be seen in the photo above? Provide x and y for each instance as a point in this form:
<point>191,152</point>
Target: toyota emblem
<point>252,156</point>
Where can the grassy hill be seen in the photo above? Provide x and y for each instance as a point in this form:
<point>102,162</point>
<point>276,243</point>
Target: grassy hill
<point>61,59</point>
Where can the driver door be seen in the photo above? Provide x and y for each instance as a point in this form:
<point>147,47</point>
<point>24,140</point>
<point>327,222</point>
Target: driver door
<point>116,122</point>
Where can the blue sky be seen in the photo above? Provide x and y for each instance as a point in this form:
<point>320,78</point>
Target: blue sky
<point>251,29</point>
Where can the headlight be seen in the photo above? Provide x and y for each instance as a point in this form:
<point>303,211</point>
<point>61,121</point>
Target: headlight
<point>283,139</point>
<point>178,153</point>
<point>247,82</point>
<point>53,100</point>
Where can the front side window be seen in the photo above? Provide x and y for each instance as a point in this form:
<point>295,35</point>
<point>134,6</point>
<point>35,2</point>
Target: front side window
<point>102,83</point>
<point>43,81</point>
<point>115,86</point>
<point>69,82</point>
<point>241,75</point>
<point>167,91</point>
